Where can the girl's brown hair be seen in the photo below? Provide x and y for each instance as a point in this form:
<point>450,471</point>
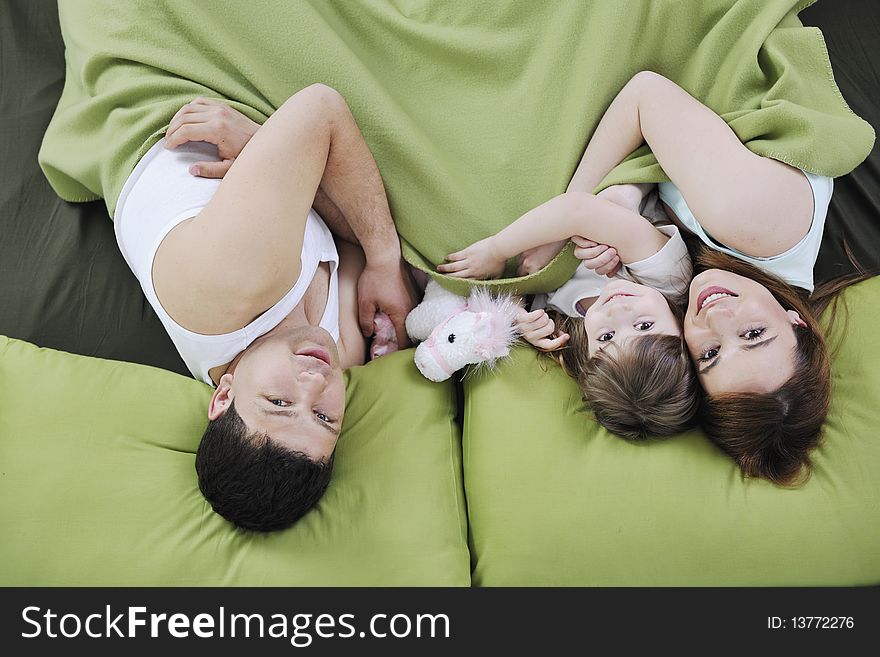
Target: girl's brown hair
<point>646,388</point>
<point>771,435</point>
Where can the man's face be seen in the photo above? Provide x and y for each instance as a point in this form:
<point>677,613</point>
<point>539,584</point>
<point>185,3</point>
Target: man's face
<point>288,385</point>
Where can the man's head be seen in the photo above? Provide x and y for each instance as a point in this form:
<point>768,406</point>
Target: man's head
<point>266,457</point>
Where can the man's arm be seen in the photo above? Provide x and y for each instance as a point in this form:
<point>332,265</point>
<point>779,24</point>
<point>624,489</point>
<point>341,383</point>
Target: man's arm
<point>334,218</point>
<point>352,195</point>
<point>313,150</point>
<point>566,215</point>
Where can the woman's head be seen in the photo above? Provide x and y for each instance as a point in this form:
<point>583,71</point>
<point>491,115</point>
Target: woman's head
<point>741,338</point>
<point>266,457</point>
<point>763,365</point>
<point>630,362</point>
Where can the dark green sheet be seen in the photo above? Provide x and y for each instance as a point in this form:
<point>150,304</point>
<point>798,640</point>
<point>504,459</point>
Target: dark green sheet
<point>63,283</point>
<point>851,28</point>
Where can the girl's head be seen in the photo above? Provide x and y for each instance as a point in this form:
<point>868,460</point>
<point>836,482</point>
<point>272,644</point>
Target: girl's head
<point>630,361</point>
<point>763,366</point>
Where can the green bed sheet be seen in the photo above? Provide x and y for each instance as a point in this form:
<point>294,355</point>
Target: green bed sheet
<point>98,486</point>
<point>554,499</point>
<point>63,283</point>
<point>475,111</point>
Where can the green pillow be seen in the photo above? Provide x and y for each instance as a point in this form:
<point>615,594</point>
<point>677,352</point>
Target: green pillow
<point>554,499</point>
<point>98,486</point>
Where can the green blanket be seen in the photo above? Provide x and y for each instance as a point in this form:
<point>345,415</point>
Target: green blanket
<point>475,111</point>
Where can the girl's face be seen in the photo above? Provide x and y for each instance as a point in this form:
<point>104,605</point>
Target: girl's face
<point>624,310</point>
<point>739,336</point>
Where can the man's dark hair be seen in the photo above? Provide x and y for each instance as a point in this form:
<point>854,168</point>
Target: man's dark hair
<point>253,482</point>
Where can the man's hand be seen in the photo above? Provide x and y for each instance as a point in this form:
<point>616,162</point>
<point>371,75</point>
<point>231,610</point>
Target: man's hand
<point>538,329</point>
<point>479,260</point>
<point>601,258</point>
<point>390,290</point>
<point>205,119</point>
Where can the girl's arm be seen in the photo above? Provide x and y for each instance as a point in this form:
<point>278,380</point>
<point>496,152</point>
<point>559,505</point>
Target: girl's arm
<point>560,218</point>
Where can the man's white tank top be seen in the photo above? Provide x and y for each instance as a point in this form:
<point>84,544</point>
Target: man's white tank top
<point>158,195</point>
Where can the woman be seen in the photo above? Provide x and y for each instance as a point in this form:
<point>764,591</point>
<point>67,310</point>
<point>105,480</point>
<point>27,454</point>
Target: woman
<point>751,330</point>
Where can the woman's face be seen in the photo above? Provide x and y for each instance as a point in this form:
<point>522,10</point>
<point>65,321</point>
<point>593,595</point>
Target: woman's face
<point>624,310</point>
<point>739,336</point>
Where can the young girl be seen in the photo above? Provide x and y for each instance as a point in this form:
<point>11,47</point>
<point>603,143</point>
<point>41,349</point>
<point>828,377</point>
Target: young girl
<point>624,335</point>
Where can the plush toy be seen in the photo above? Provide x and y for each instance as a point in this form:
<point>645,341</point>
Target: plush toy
<point>454,331</point>
<point>384,336</point>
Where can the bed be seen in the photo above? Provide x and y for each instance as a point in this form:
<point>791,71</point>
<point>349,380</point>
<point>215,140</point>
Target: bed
<point>450,484</point>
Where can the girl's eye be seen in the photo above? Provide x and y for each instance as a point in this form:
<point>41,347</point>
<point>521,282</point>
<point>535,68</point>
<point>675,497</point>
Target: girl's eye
<point>605,337</point>
<point>322,417</point>
<point>644,326</point>
<point>754,334</point>
<point>280,402</point>
<point>708,354</point>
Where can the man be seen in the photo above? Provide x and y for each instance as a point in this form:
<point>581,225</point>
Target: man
<point>257,296</point>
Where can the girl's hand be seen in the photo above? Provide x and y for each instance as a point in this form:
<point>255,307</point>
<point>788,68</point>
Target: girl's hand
<point>205,119</point>
<point>538,329</point>
<point>601,258</point>
<point>479,260</point>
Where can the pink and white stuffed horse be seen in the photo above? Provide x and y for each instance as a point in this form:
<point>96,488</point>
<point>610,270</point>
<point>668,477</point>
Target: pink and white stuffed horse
<point>454,331</point>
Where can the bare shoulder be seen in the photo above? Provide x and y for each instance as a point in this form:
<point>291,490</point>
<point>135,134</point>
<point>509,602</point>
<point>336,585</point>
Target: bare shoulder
<point>767,210</point>
<point>209,297</point>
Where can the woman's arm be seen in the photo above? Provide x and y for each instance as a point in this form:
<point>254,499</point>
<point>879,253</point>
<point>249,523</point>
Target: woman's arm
<point>560,218</point>
<point>754,204</point>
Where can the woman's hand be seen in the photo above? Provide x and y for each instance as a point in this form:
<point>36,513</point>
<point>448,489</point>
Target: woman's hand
<point>538,329</point>
<point>479,260</point>
<point>213,121</point>
<point>601,258</point>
